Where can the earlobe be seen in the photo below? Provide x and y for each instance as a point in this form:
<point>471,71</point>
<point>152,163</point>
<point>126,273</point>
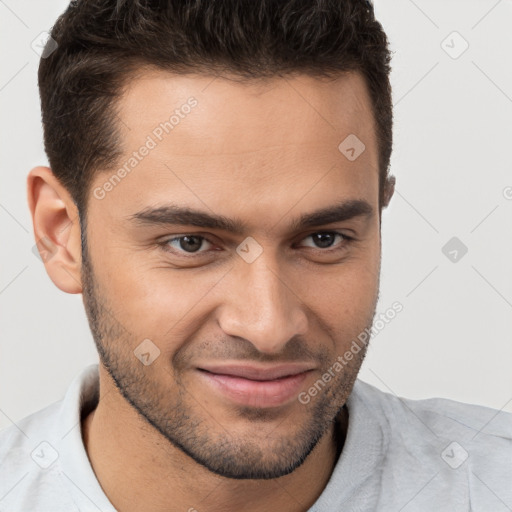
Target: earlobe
<point>389,190</point>
<point>56,227</point>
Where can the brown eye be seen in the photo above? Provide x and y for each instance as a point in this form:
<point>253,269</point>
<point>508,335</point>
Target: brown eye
<point>185,244</point>
<point>326,239</point>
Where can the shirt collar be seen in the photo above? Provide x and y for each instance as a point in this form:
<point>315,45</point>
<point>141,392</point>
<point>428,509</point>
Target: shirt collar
<point>77,473</point>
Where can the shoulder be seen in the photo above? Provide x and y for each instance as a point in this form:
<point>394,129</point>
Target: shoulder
<point>29,461</point>
<point>444,416</point>
<point>460,449</point>
<point>19,437</point>
<point>37,452</point>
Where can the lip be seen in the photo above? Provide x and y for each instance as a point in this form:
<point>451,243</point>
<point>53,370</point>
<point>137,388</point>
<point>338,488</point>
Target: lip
<point>259,373</point>
<point>256,386</point>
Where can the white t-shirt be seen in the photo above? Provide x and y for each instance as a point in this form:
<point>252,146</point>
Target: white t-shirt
<point>399,455</point>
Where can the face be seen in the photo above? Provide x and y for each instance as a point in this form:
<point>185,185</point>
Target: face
<point>241,240</point>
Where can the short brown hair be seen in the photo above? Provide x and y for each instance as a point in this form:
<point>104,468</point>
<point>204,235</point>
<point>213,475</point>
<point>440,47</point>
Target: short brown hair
<point>103,43</point>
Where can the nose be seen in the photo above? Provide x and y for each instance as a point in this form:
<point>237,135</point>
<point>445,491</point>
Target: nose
<point>261,307</point>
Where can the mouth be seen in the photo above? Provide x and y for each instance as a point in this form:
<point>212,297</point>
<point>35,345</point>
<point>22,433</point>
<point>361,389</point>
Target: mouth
<point>259,387</point>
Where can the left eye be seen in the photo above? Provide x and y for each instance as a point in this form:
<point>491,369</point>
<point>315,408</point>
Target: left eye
<point>325,239</point>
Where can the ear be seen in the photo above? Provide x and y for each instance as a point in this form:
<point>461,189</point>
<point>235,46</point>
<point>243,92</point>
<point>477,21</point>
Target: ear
<point>389,190</point>
<point>56,228</point>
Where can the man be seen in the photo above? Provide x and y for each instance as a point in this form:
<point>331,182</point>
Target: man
<point>218,175</point>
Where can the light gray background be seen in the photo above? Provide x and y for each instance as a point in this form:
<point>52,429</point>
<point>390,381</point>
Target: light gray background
<point>453,164</point>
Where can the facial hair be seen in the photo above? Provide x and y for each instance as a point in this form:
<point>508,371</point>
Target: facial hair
<point>159,395</point>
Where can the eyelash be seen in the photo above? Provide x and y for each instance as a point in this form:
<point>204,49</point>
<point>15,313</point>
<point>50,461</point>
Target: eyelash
<point>164,245</point>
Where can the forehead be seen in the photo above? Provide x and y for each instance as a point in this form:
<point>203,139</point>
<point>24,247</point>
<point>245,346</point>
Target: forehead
<point>258,143</point>
<point>255,110</point>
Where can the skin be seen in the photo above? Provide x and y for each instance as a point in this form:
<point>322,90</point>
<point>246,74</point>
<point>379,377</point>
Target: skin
<point>265,153</point>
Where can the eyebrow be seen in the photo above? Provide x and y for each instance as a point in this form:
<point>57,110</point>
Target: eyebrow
<point>172,214</point>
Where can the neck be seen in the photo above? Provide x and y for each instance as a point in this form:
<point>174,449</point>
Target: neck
<point>139,469</point>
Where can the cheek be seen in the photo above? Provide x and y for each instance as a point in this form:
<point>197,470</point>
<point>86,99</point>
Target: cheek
<point>155,302</point>
<point>342,298</point>
<point>350,286</point>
